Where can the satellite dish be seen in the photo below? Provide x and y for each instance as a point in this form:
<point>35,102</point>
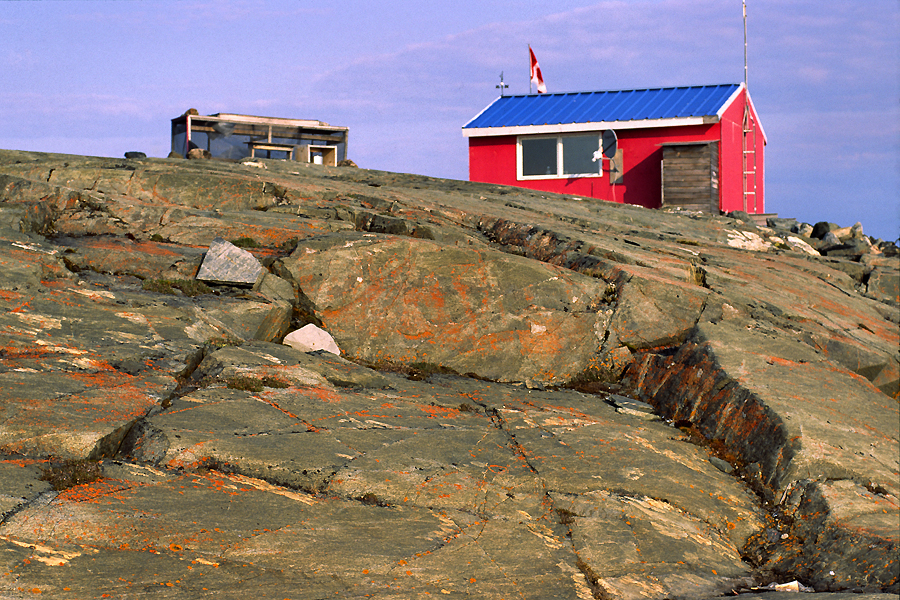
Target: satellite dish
<point>610,143</point>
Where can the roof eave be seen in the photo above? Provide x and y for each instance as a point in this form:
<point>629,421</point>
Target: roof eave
<point>482,111</point>
<point>758,122</point>
<point>743,88</point>
<point>592,126</point>
<point>734,95</point>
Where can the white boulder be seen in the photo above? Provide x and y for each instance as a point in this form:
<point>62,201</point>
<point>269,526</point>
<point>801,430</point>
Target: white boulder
<point>310,338</point>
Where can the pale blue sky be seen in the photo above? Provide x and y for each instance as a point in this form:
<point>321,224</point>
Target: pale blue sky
<point>103,78</point>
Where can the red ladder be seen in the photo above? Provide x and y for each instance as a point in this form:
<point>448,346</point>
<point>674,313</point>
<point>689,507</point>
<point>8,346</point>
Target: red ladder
<point>748,148</point>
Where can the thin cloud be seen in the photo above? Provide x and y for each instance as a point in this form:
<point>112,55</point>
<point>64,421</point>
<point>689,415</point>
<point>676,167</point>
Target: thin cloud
<point>19,59</point>
<point>101,105</point>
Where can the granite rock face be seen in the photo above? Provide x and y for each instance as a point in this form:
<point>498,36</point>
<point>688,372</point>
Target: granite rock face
<point>537,396</point>
<point>226,263</point>
<point>473,310</point>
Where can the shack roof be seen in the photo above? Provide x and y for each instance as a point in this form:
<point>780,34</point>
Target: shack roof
<point>621,109</point>
<point>264,121</point>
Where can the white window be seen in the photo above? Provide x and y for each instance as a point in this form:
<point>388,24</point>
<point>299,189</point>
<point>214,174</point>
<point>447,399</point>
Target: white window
<point>543,157</point>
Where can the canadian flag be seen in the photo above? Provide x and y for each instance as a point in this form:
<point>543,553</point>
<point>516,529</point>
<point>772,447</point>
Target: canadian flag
<point>536,76</point>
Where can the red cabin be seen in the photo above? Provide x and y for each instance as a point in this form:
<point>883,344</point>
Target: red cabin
<point>699,148</point>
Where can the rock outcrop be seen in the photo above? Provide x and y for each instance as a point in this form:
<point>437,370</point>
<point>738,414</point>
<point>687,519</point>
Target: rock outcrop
<point>536,396</point>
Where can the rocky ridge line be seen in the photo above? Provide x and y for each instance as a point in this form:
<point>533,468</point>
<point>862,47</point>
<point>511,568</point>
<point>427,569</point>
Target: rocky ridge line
<point>790,383</point>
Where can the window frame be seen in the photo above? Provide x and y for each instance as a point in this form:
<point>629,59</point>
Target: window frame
<point>560,166</point>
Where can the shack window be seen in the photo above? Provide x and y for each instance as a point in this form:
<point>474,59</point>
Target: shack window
<point>578,154</point>
<point>539,157</point>
<point>559,156</point>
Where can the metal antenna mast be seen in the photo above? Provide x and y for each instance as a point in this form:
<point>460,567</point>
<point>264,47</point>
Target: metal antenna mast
<point>748,139</point>
<point>746,83</point>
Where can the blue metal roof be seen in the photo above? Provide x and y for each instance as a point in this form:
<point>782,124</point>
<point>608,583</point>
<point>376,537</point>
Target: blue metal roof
<point>609,106</point>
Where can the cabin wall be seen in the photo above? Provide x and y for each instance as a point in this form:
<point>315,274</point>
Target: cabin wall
<point>731,186</point>
<point>493,160</point>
